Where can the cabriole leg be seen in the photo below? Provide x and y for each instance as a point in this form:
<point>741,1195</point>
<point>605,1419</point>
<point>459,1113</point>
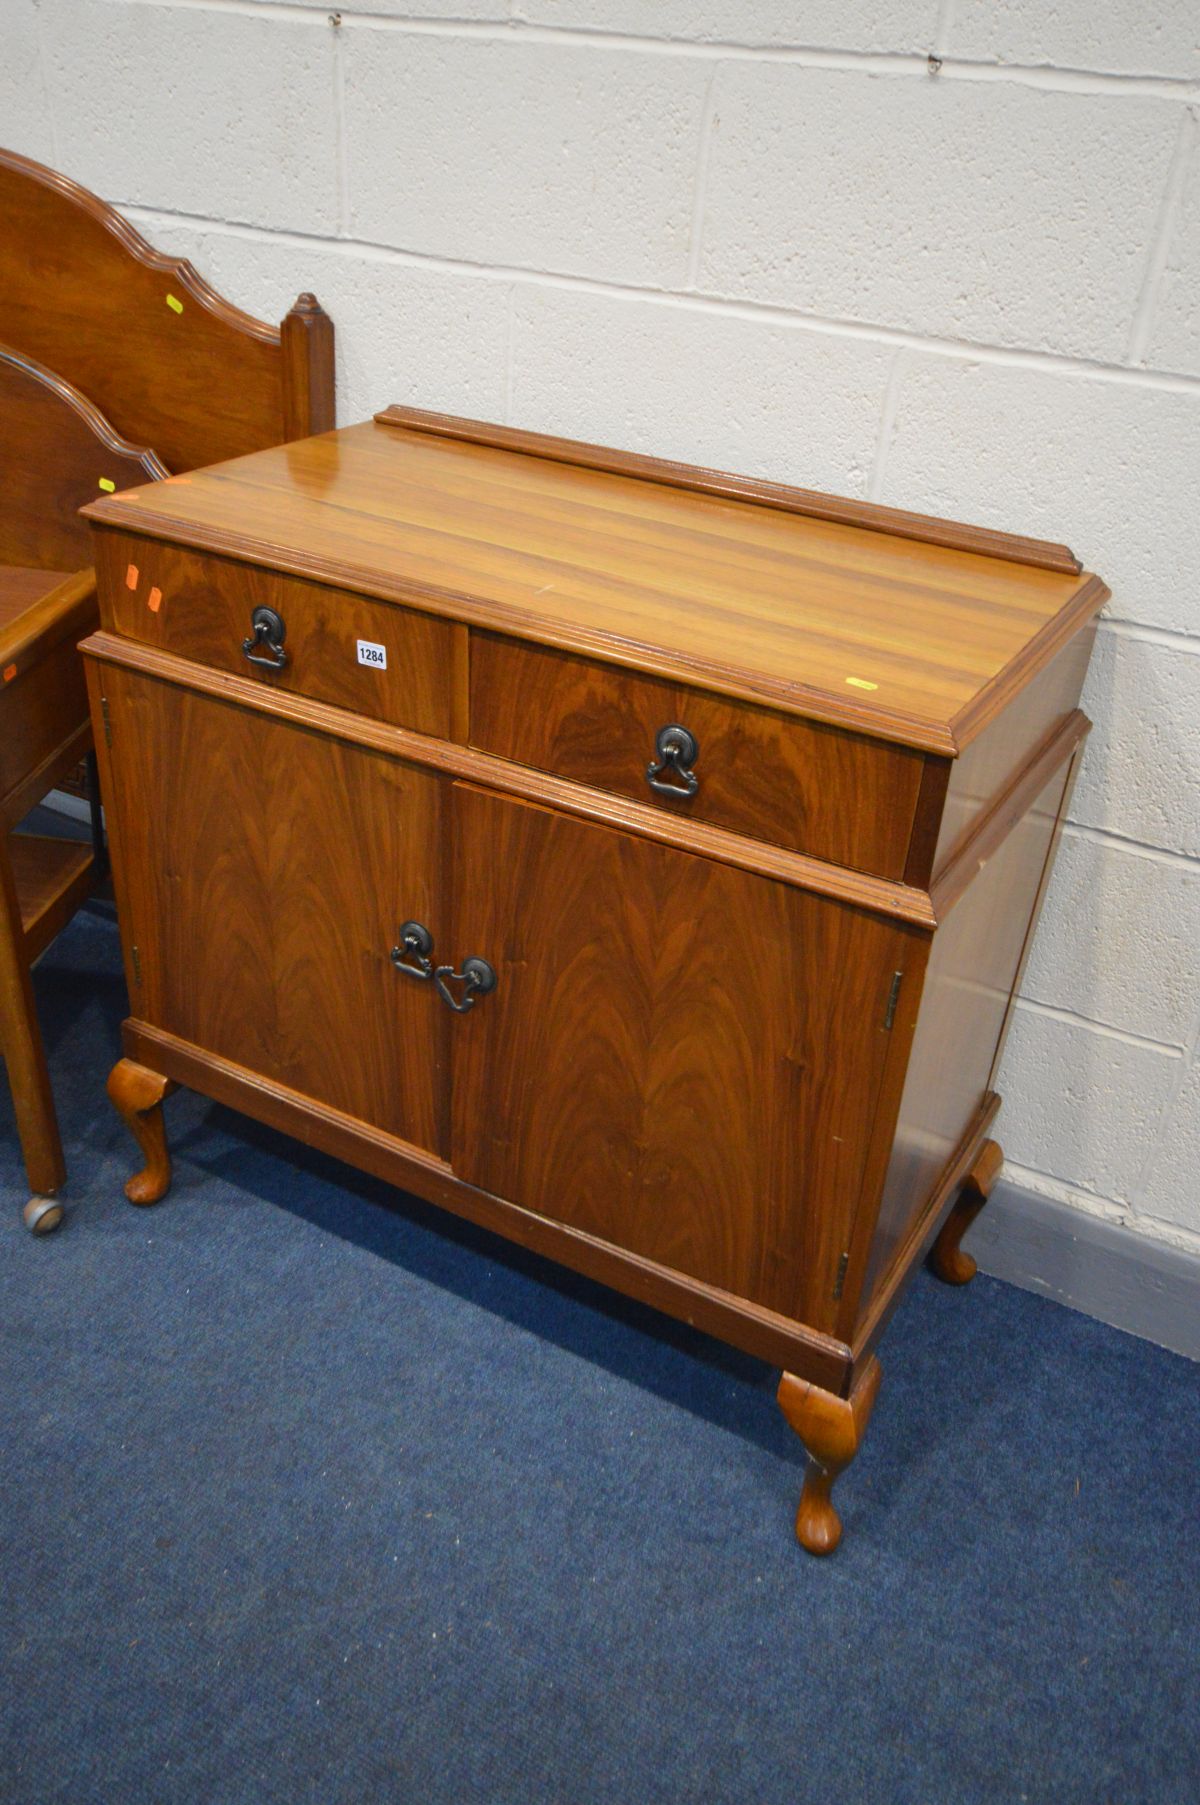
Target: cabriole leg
<point>946,1257</point>
<point>831,1429</point>
<point>137,1094</point>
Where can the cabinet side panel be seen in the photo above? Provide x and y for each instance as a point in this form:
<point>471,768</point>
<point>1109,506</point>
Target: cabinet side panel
<point>973,967</point>
<point>991,762</point>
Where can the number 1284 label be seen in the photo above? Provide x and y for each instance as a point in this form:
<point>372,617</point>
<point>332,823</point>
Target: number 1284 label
<point>370,653</point>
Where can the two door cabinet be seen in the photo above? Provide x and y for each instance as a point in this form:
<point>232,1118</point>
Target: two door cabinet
<point>637,860</point>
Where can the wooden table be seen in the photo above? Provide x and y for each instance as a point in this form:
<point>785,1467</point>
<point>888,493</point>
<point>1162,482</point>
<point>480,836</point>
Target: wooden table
<point>44,733</point>
<point>637,860</point>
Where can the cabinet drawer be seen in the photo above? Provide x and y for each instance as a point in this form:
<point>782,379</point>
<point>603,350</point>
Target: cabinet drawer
<point>837,796</point>
<point>202,607</point>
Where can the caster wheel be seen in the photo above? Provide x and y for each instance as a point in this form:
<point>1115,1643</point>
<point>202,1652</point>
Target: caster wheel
<point>42,1215</point>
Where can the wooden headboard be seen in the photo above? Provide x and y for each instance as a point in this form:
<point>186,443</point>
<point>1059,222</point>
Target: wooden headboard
<point>170,364</point>
<point>57,451</point>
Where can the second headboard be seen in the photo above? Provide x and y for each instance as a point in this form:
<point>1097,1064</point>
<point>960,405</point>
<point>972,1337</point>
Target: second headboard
<point>171,364</point>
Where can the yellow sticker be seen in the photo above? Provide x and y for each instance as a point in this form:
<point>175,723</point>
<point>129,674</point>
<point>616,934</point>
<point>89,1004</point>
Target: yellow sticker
<point>107,484</point>
<point>860,683</point>
<point>174,304</point>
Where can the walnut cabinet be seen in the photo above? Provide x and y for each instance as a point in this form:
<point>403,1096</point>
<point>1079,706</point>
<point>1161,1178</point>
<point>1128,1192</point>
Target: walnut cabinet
<point>635,859</point>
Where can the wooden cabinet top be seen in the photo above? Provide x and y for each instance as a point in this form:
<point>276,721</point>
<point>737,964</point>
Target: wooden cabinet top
<point>913,629</point>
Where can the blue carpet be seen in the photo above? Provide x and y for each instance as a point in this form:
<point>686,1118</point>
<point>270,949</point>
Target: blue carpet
<point>311,1494</point>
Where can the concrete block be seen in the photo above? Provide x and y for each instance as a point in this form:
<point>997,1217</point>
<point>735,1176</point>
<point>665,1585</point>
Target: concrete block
<point>1081,1106</point>
<point>426,337</point>
<point>979,210</point>
<point>1119,941</point>
<point>1175,334</point>
<point>24,115</point>
<point>223,114</point>
<point>1108,466</point>
<point>1171,1192</point>
<point>550,156</point>
<point>906,25</point>
<point>754,396</point>
<point>452,11</point>
<point>1139,776</point>
<point>1105,35</point>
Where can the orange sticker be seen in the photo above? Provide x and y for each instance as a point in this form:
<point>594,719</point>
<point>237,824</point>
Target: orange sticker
<point>131,577</point>
<point>10,671</point>
<point>154,600</point>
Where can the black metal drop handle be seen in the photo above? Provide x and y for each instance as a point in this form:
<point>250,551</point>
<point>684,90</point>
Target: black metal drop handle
<point>416,944</point>
<point>677,753</point>
<point>477,976</point>
<point>270,633</point>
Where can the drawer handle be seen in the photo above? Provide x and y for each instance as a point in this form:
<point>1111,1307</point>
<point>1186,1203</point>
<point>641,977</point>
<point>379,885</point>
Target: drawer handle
<point>270,633</point>
<point>416,944</point>
<point>476,974</point>
<point>677,753</point>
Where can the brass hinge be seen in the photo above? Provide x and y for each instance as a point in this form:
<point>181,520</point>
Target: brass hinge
<point>841,1275</point>
<point>135,956</point>
<point>107,722</point>
<point>893,993</point>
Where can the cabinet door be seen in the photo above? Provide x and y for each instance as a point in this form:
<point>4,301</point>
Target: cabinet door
<point>679,1057</point>
<point>265,871</point>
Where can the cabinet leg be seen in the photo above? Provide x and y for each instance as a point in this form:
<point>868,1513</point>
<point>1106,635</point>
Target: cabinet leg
<point>831,1429</point>
<point>137,1095</point>
<point>22,1055</point>
<point>946,1257</point>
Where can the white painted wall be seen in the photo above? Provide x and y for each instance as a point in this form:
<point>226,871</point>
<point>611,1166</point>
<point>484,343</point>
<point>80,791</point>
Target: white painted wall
<point>766,236</point>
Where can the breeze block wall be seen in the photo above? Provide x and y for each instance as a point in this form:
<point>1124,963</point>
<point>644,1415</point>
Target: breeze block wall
<point>939,253</point>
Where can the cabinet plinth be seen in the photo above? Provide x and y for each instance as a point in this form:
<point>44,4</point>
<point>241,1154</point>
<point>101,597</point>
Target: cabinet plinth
<point>708,1006</point>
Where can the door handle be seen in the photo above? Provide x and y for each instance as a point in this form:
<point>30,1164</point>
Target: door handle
<point>411,956</point>
<point>269,632</point>
<point>476,976</point>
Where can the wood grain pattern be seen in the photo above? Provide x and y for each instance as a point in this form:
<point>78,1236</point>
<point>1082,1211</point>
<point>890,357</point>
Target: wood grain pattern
<point>199,608</point>
<point>22,1049</point>
<point>55,450</point>
<point>199,380</point>
<point>264,901</point>
<point>738,1055</point>
<point>831,1429</point>
<point>52,878</point>
<point>43,702</point>
<point>836,796</point>
<point>931,529</point>
<point>38,610</point>
<point>896,638</point>
<point>879,895</point>
<point>731,1032</point>
<point>137,1094</point>
<point>768,1336</point>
